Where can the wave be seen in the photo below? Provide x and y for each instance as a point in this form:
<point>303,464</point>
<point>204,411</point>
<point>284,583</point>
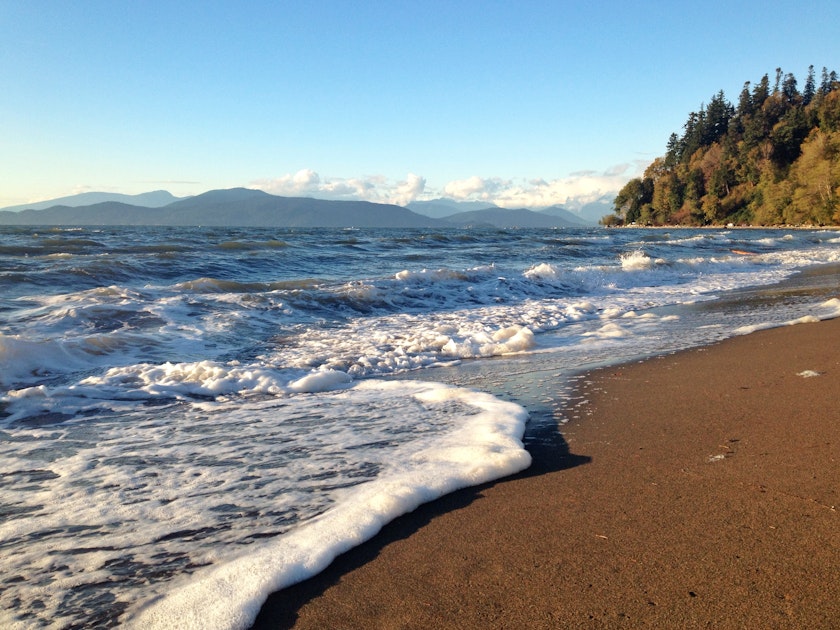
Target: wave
<point>485,446</point>
<point>167,498</point>
<point>216,285</point>
<point>636,260</point>
<point>222,392</point>
<point>251,245</point>
<point>413,319</point>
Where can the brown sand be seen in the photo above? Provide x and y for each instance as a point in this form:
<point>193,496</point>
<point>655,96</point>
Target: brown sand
<point>701,491</point>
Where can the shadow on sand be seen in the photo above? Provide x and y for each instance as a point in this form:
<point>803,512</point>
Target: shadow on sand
<point>550,453</point>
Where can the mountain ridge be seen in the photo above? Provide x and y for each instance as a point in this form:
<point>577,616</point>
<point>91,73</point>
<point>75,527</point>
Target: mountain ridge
<point>443,207</point>
<point>513,218</point>
<point>151,199</point>
<point>246,207</point>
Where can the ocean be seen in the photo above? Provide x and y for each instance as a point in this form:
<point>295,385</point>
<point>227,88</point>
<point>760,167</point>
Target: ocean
<point>192,418</point>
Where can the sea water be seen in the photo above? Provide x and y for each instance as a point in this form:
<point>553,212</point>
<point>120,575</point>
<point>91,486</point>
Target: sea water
<point>191,418</point>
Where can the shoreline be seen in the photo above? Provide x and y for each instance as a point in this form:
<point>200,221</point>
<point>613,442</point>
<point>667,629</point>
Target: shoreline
<point>728,226</point>
<point>697,488</point>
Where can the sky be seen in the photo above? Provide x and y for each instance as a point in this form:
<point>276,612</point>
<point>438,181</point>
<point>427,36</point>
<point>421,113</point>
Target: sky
<point>523,104</point>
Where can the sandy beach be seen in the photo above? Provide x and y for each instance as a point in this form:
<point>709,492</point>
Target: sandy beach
<point>694,490</point>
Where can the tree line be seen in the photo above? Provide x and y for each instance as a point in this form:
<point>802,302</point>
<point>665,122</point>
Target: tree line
<point>772,159</point>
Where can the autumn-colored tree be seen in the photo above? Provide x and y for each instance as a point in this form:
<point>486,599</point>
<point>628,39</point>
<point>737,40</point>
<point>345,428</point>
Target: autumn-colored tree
<point>629,201</point>
<point>816,180</point>
<point>772,160</point>
<point>829,112</point>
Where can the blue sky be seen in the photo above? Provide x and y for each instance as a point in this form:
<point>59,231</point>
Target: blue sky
<point>525,104</point>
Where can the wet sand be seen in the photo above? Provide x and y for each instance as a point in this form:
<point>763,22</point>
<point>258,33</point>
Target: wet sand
<point>700,489</point>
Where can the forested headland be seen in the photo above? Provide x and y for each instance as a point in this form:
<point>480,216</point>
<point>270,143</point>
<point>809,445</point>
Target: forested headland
<point>772,159</point>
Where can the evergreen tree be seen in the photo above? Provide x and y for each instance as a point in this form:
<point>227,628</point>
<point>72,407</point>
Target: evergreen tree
<point>787,136</point>
<point>761,92</point>
<point>825,84</point>
<point>745,104</point>
<point>718,114</point>
<point>810,89</point>
<point>789,91</point>
<point>672,151</point>
<point>756,129</point>
<point>695,134</point>
<point>775,159</point>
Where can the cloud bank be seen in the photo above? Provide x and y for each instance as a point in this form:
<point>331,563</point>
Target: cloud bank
<point>576,188</point>
<point>378,189</point>
<point>580,188</point>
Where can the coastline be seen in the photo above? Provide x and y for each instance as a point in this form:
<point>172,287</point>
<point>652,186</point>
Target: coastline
<point>699,488</point>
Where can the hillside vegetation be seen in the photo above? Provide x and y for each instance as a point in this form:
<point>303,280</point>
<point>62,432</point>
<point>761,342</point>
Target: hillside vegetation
<point>773,159</point>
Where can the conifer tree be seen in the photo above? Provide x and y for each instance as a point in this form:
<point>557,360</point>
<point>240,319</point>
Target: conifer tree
<point>789,91</point>
<point>761,92</point>
<point>810,89</point>
<point>672,151</point>
<point>745,107</point>
<point>775,159</point>
<point>718,114</point>
<point>825,84</point>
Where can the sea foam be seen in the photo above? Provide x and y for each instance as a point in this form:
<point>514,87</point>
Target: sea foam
<point>176,401</point>
<point>485,446</point>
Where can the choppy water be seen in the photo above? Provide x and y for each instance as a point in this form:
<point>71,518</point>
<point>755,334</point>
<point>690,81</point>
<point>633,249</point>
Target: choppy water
<point>191,418</point>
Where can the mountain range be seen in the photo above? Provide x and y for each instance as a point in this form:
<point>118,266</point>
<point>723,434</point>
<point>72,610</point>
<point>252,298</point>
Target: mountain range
<point>587,211</point>
<point>154,199</point>
<point>244,207</point>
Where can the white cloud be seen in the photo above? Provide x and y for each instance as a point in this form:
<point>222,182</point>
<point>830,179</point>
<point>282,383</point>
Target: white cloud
<point>354,188</point>
<point>303,183</point>
<point>483,189</point>
<point>376,188</point>
<point>80,189</point>
<point>573,190</point>
<point>409,190</point>
<point>581,187</point>
<point>620,169</point>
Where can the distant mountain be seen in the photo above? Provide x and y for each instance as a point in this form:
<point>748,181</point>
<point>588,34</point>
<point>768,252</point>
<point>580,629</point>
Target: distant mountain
<point>504,218</point>
<point>234,207</point>
<point>593,209</point>
<point>579,214</point>
<point>247,207</point>
<point>569,217</point>
<point>154,199</point>
<point>443,207</point>
<point>105,213</point>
